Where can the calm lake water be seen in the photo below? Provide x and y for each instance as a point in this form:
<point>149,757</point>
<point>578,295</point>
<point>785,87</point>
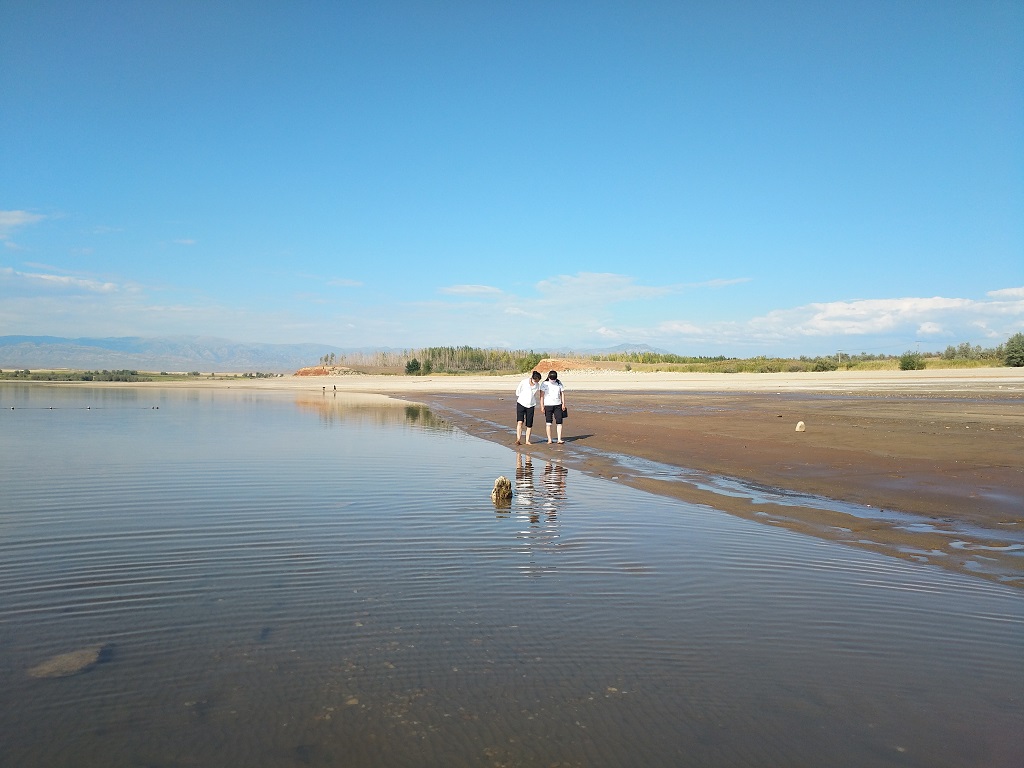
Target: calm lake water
<point>287,580</point>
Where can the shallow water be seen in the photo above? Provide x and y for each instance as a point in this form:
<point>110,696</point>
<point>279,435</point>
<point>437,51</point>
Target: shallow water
<point>759,493</point>
<point>285,581</point>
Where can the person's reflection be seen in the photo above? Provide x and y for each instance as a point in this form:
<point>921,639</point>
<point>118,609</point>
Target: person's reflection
<point>524,481</point>
<point>554,488</point>
<point>537,508</point>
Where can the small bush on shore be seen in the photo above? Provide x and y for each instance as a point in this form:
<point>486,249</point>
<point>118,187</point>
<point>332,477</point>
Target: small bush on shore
<point>911,361</point>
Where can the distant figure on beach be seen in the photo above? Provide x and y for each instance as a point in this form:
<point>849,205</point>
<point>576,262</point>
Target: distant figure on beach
<point>526,404</point>
<point>552,399</point>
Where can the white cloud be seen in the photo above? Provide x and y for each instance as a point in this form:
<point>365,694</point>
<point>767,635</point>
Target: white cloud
<point>581,309</point>
<point>867,315</point>
<point>1007,293</point>
<point>899,320</point>
<point>12,220</point>
<point>62,281</point>
<point>76,282</point>
<point>185,241</point>
<point>470,290</point>
<point>986,331</point>
<point>344,283</point>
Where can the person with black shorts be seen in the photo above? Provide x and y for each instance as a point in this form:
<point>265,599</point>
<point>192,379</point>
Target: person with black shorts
<point>526,404</point>
<point>552,399</point>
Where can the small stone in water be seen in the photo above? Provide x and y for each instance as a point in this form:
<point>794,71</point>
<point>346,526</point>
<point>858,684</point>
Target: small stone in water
<point>67,664</point>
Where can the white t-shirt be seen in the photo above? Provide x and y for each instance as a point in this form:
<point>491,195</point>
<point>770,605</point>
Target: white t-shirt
<point>552,392</point>
<point>526,392</point>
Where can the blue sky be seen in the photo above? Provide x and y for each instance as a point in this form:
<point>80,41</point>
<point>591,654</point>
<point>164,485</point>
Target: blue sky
<point>705,177</point>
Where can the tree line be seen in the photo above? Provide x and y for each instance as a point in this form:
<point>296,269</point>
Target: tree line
<point>122,375</point>
<point>427,360</point>
<point>467,359</point>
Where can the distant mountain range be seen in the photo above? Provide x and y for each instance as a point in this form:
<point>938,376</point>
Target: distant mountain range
<point>172,354</point>
<point>189,353</point>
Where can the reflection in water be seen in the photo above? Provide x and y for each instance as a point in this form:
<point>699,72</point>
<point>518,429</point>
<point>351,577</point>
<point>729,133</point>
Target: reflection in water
<point>524,481</point>
<point>335,411</point>
<point>554,486</point>
<point>538,510</point>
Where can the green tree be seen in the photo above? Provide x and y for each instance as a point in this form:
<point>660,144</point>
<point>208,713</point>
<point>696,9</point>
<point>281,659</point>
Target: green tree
<point>529,361</point>
<point>911,361</point>
<point>412,368</point>
<point>1014,350</point>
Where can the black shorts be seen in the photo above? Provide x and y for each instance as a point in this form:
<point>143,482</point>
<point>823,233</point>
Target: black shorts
<point>525,414</point>
<point>553,411</point>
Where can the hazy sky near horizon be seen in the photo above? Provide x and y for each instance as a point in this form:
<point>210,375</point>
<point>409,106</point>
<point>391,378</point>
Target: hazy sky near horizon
<point>705,177</point>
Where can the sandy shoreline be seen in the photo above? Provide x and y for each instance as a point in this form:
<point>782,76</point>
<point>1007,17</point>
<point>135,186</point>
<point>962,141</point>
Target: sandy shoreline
<point>926,465</point>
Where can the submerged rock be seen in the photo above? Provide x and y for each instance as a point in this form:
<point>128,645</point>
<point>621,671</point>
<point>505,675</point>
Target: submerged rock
<point>73,663</point>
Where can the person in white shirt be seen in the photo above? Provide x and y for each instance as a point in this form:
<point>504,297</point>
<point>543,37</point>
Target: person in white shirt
<point>552,399</point>
<point>526,404</point>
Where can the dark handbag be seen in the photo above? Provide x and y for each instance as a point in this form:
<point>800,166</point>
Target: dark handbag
<point>565,412</point>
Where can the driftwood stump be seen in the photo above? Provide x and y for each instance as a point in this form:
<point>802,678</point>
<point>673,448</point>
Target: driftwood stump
<point>502,493</point>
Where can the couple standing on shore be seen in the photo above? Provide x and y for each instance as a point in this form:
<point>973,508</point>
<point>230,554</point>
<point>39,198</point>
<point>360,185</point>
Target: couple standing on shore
<point>551,394</point>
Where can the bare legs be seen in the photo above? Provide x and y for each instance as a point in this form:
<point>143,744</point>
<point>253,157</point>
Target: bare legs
<point>558,432</point>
